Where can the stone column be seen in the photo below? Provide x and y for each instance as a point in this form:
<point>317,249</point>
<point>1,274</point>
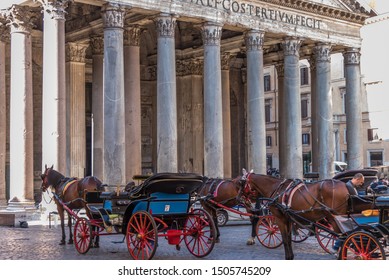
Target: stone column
<point>291,116</point>
<point>314,118</point>
<point>54,85</point>
<point>256,124</point>
<point>97,44</point>
<point>4,37</point>
<point>353,108</point>
<point>324,111</point>
<point>213,109</point>
<point>197,116</point>
<point>132,101</point>
<point>21,110</point>
<point>75,68</point>
<point>167,160</point>
<point>225,66</point>
<point>114,117</point>
<point>281,121</point>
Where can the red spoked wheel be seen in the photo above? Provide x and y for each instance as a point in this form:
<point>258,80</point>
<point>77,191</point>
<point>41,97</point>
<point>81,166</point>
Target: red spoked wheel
<point>362,245</point>
<point>299,234</point>
<point>142,236</point>
<point>199,233</point>
<point>268,233</point>
<point>83,235</point>
<point>325,238</point>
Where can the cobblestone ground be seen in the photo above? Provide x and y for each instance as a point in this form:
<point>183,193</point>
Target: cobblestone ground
<point>39,242</point>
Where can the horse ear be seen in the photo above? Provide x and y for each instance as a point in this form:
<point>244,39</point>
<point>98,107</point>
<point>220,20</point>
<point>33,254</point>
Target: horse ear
<point>244,171</point>
<point>45,166</point>
<point>52,166</point>
<point>252,171</point>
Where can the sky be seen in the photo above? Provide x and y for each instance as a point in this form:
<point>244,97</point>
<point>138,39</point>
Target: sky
<point>382,6</point>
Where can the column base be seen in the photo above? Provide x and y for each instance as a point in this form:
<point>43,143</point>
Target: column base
<point>18,211</point>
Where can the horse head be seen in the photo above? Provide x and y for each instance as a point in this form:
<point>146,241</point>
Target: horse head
<point>50,178</point>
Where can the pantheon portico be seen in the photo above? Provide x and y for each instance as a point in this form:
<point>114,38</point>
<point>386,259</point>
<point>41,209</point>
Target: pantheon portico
<point>119,88</point>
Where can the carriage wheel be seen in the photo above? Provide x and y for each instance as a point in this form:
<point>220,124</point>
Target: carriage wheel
<point>268,233</point>
<point>362,245</point>
<point>222,217</point>
<point>299,234</point>
<point>83,235</point>
<point>325,239</point>
<point>199,233</point>
<point>142,236</point>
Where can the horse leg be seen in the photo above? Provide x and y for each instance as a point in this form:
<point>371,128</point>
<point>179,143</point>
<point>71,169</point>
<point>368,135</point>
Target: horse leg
<point>254,220</point>
<point>70,229</point>
<point>285,228</point>
<point>62,218</point>
<point>96,241</point>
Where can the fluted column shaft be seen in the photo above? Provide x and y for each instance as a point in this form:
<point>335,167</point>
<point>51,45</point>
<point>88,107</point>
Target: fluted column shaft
<point>281,121</point>
<point>114,117</point>
<point>75,68</point>
<point>324,111</point>
<point>292,109</point>
<point>21,110</point>
<point>314,117</point>
<point>353,108</point>
<point>54,85</point>
<point>226,114</point>
<point>133,103</point>
<point>256,124</point>
<point>213,109</point>
<point>97,45</point>
<point>197,116</point>
<point>167,160</point>
<point>4,36</point>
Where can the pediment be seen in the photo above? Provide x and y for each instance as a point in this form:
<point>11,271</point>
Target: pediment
<point>356,6</point>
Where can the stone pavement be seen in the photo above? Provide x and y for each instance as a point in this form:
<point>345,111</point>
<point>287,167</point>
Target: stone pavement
<point>39,242</point>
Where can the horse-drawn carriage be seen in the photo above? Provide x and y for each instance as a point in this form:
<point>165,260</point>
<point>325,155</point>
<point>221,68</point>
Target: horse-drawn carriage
<point>160,207</point>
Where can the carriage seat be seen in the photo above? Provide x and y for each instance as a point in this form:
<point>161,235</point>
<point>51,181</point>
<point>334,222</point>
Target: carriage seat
<point>172,183</point>
<point>382,201</point>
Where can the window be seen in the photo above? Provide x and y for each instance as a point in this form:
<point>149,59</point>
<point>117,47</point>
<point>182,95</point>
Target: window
<point>304,108</point>
<point>345,136</point>
<point>304,76</point>
<point>306,162</point>
<point>266,81</point>
<point>269,161</point>
<point>306,139</point>
<point>268,110</point>
<point>268,141</point>
<point>343,98</point>
<point>376,158</point>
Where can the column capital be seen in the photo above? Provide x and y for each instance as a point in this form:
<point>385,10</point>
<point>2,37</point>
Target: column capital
<point>352,56</point>
<point>75,52</point>
<point>291,46</point>
<point>225,60</point>
<point>280,68</point>
<point>20,18</point>
<point>254,40</point>
<point>166,25</point>
<point>55,8</point>
<point>132,35</point>
<point>211,33</point>
<point>113,15</point>
<point>4,30</point>
<point>312,62</point>
<point>97,44</point>
<point>322,52</point>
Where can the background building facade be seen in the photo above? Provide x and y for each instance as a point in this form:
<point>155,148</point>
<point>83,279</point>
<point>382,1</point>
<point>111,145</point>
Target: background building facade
<point>118,88</point>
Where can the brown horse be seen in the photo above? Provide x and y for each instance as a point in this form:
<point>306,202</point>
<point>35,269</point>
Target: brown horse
<point>291,200</point>
<point>229,193</point>
<point>70,191</point>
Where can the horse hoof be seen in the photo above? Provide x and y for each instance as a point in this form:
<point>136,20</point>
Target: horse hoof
<point>95,245</point>
<point>62,242</point>
<point>217,240</point>
<point>250,242</point>
<point>70,242</point>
